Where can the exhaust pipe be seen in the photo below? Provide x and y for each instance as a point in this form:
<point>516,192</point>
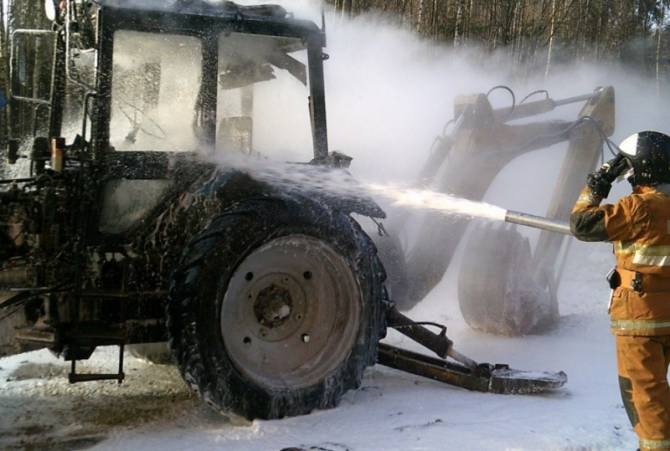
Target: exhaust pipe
<point>537,222</point>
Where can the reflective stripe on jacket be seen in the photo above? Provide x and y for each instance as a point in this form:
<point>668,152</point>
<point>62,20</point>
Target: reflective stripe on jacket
<point>639,227</point>
<point>646,444</point>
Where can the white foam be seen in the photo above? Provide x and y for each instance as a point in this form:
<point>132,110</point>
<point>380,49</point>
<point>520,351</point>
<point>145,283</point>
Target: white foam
<point>339,183</point>
<point>432,200</point>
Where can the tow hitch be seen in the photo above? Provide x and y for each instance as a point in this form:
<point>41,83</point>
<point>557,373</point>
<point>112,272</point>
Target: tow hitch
<point>463,372</point>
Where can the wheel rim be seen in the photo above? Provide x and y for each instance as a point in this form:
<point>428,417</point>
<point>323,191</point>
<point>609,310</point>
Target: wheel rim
<point>291,312</point>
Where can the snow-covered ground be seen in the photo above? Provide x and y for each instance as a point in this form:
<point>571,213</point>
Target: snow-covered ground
<point>391,411</point>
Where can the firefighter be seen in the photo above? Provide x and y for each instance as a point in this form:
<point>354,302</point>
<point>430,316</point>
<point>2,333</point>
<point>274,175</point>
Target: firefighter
<point>639,227</point>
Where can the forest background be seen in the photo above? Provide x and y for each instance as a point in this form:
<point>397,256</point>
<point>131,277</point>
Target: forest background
<point>539,35</point>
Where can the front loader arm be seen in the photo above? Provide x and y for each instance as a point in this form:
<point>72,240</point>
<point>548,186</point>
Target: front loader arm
<point>482,142</point>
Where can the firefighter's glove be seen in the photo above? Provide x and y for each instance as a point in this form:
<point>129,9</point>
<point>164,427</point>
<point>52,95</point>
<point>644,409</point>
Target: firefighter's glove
<point>601,181</point>
<point>599,184</point>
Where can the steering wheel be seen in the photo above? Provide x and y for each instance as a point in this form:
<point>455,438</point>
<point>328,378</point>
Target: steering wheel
<point>139,121</point>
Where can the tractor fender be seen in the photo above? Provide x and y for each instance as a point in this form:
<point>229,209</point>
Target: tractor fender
<point>214,192</point>
<point>334,189</point>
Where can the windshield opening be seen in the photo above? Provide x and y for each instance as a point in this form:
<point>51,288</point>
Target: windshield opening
<point>262,98</point>
<point>155,85</point>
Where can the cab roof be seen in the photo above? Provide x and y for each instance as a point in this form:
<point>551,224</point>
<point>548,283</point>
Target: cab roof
<point>215,9</point>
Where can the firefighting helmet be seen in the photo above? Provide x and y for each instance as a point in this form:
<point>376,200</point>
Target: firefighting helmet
<point>648,154</point>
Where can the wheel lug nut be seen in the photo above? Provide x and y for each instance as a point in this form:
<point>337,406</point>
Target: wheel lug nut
<point>305,338</point>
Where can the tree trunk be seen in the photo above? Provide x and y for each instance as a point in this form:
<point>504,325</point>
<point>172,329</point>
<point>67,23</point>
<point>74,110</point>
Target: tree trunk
<point>4,83</point>
<point>552,31</point>
<point>493,26</point>
<point>598,38</point>
<point>468,21</point>
<point>435,20</point>
<point>458,27</point>
<point>347,7</point>
<point>420,17</point>
<point>583,48</point>
<point>659,34</point>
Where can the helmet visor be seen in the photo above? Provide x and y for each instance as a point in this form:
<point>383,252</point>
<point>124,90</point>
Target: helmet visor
<point>629,145</point>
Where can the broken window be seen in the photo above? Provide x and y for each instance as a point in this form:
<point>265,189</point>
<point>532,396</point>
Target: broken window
<point>262,97</point>
<point>155,88</point>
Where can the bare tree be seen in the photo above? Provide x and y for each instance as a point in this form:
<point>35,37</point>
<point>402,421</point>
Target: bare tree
<point>420,16</point>
<point>659,34</point>
<point>4,79</point>
<point>458,26</point>
<point>538,33</point>
<point>552,35</point>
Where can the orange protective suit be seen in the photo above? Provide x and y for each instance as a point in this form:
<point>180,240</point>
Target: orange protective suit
<point>639,227</point>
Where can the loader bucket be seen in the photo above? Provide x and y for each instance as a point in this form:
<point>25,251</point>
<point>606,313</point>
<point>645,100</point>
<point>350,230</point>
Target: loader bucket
<point>498,289</point>
<point>464,163</point>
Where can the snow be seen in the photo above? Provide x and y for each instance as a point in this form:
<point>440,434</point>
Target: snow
<point>391,411</point>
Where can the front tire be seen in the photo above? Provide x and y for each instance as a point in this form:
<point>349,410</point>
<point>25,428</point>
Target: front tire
<point>276,309</point>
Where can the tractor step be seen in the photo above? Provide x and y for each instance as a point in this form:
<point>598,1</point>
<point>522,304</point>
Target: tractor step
<point>484,377</point>
<point>74,377</point>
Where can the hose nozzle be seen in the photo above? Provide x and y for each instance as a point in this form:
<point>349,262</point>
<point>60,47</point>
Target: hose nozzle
<point>537,222</point>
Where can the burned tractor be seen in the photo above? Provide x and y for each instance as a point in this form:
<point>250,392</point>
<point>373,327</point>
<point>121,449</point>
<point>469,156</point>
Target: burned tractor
<point>120,227</point>
<point>505,286</point>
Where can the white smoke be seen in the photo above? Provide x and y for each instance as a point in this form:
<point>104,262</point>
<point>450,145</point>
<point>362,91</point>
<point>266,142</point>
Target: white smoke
<point>389,94</point>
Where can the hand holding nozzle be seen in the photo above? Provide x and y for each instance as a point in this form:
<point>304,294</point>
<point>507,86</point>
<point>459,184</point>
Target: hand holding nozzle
<point>601,180</point>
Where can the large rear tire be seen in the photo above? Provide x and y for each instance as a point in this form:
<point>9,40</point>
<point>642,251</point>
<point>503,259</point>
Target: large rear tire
<point>275,309</point>
<point>395,264</point>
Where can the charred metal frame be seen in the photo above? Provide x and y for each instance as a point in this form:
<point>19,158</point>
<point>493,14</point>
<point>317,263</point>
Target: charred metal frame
<point>207,29</point>
<point>152,164</point>
<point>100,162</point>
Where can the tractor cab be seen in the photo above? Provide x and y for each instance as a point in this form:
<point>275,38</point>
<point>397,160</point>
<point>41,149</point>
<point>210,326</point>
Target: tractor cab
<point>140,87</point>
<point>208,79</point>
<point>185,76</point>
<point>176,76</point>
